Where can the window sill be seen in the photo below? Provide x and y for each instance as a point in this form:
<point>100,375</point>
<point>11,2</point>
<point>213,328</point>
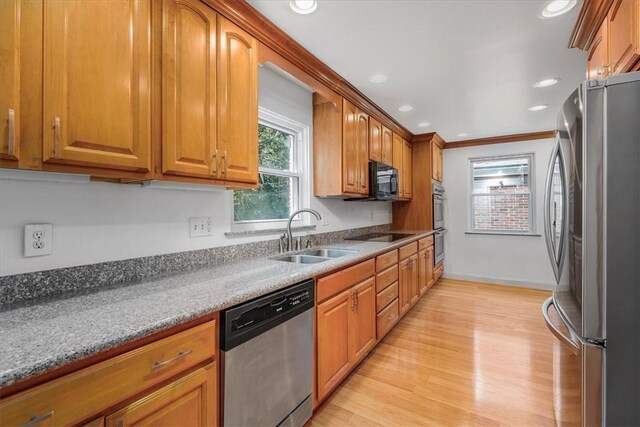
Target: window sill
<point>503,233</point>
<point>240,233</point>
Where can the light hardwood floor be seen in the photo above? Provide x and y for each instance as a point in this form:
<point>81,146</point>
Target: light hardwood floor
<point>466,354</point>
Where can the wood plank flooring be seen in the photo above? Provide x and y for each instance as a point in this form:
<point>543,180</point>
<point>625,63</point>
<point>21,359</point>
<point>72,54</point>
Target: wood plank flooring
<point>466,354</point>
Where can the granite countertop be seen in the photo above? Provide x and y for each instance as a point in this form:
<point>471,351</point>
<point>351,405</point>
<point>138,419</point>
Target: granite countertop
<point>44,336</point>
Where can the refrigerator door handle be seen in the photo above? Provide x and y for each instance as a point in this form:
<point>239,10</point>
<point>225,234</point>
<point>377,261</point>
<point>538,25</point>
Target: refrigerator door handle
<point>567,341</point>
<point>556,249</point>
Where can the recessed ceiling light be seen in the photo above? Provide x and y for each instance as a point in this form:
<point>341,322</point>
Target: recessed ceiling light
<point>303,7</point>
<point>424,124</point>
<point>462,135</point>
<point>405,108</point>
<point>557,7</point>
<point>378,78</point>
<point>547,82</point>
<point>538,107</point>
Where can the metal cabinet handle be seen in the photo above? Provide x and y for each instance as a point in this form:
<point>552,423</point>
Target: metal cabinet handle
<point>214,164</point>
<point>224,162</point>
<point>11,135</point>
<point>353,300</point>
<point>357,296</point>
<point>56,137</point>
<point>390,317</point>
<point>390,297</point>
<point>568,342</point>
<point>160,364</point>
<point>37,419</point>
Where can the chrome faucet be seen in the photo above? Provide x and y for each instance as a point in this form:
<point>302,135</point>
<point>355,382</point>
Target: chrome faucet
<point>289,235</point>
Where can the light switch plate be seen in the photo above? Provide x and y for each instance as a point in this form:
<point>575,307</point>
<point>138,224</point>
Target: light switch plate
<point>38,239</point>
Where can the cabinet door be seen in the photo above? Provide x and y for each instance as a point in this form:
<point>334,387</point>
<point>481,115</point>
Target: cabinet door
<point>423,281</point>
<point>97,81</point>
<point>10,79</point>
<point>350,170</point>
<point>404,282</point>
<point>237,103</point>
<point>407,170</point>
<point>375,140</point>
<point>413,272</point>
<point>387,146</point>
<point>332,323</point>
<point>398,157</point>
<point>430,262</point>
<point>189,401</point>
<point>623,35</point>
<point>597,58</point>
<point>362,130</point>
<point>363,324</point>
<point>189,89</point>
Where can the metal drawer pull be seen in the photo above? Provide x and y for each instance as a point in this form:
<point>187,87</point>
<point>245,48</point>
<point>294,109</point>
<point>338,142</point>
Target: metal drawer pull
<point>390,297</point>
<point>159,364</point>
<point>37,419</point>
<point>214,164</point>
<point>56,137</point>
<point>11,132</point>
<point>224,160</point>
<point>567,341</point>
<point>390,317</point>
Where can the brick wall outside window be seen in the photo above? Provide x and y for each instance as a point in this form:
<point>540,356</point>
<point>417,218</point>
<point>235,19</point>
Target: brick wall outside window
<point>502,211</point>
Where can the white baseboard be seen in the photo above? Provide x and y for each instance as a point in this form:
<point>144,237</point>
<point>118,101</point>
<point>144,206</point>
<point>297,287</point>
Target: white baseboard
<point>494,280</point>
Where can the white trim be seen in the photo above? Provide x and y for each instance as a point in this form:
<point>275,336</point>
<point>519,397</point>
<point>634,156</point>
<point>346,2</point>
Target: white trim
<point>531,193</point>
<point>301,168</point>
<point>543,286</point>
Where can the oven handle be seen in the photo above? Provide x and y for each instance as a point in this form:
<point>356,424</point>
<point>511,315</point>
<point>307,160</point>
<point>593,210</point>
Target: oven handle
<point>568,342</point>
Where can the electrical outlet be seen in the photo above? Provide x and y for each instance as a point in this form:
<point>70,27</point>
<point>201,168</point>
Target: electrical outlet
<point>38,239</point>
<point>200,226</point>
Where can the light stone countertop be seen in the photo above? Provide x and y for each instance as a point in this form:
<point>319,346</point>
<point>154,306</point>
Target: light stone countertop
<point>41,337</point>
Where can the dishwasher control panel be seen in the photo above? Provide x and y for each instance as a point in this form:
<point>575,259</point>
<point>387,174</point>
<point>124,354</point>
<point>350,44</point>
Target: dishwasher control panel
<point>240,323</point>
<point>270,309</point>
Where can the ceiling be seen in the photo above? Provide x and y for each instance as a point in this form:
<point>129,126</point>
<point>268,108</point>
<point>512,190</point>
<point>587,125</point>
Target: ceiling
<point>466,66</point>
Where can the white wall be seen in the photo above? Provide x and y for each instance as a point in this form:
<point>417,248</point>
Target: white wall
<point>97,222</point>
<point>517,260</point>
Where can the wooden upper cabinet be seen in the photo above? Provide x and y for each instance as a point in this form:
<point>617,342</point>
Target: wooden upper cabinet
<point>375,140</point>
<point>97,83</point>
<point>623,35</point>
<point>387,146</point>
<point>189,89</point>
<point>10,79</point>
<point>436,162</point>
<point>598,55</point>
<point>407,170</point>
<point>398,158</point>
<point>350,149</point>
<point>363,327</point>
<point>237,103</point>
<point>191,400</point>
<point>362,136</point>
<point>333,352</point>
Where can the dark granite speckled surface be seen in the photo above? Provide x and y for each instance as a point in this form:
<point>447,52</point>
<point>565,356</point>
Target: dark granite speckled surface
<point>41,336</point>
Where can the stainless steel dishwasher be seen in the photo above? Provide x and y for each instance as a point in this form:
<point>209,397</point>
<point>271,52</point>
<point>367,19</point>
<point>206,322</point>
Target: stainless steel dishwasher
<point>267,359</point>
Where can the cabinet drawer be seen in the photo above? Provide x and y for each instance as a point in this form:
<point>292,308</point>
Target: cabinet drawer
<point>425,243</point>
<point>337,282</point>
<point>77,396</point>
<point>387,318</point>
<point>386,278</point>
<point>408,250</point>
<point>385,297</point>
<point>385,261</point>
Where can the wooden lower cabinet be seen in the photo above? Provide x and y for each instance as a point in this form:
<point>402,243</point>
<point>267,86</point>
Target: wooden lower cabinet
<point>332,324</point>
<point>346,331</point>
<point>188,401</point>
<point>413,273</point>
<point>405,286</point>
<point>86,393</point>
<point>430,267</point>
<point>387,318</point>
<point>423,279</point>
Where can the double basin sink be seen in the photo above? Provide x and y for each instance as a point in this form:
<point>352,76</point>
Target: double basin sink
<point>315,256</point>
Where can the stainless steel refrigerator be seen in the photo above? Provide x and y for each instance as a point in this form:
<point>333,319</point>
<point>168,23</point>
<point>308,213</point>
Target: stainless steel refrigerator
<point>592,227</point>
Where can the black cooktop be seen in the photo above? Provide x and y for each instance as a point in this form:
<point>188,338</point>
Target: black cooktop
<point>381,237</point>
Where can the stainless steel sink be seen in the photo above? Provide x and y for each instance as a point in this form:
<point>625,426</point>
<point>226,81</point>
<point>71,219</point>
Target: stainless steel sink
<point>302,259</point>
<point>328,252</point>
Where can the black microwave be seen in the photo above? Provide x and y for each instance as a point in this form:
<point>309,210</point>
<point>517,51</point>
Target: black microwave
<point>383,182</point>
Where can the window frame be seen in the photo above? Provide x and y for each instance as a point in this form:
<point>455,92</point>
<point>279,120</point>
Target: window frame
<point>531,193</point>
<point>300,170</point>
